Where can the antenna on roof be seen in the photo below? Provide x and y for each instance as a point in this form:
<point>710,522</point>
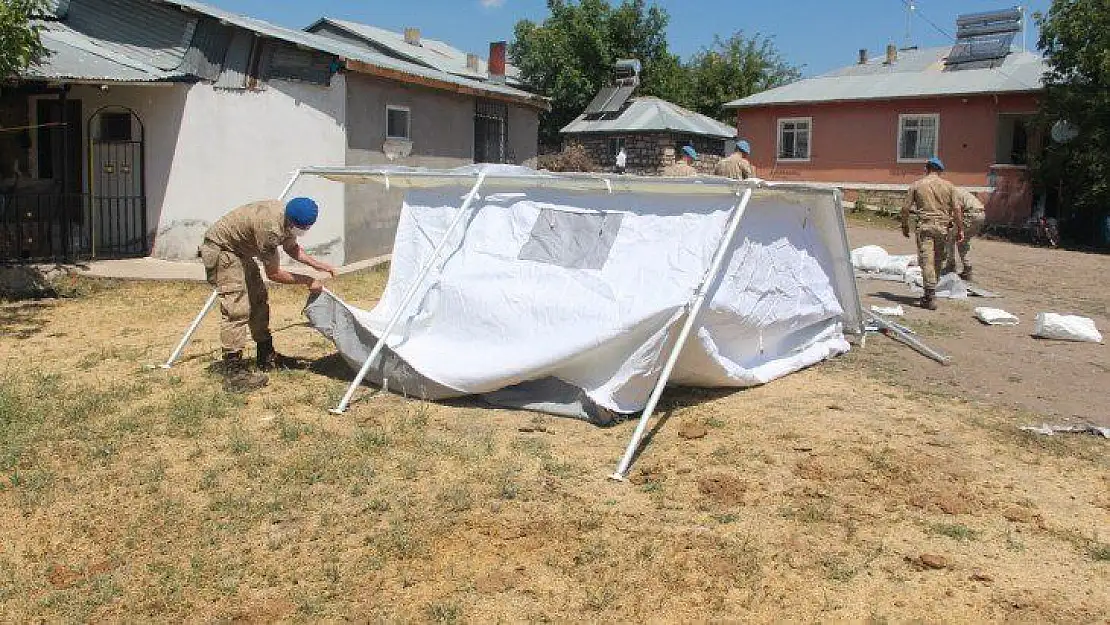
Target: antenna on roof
<point>911,7</point>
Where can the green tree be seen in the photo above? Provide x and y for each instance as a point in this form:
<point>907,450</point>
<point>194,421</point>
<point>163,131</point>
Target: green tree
<point>735,68</point>
<point>570,55</point>
<point>19,36</point>
<point>1075,38</point>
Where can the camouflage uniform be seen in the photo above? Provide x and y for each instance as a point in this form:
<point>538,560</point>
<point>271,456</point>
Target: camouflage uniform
<point>974,217</point>
<point>935,202</point>
<point>230,246</point>
<point>680,170</point>
<point>735,166</point>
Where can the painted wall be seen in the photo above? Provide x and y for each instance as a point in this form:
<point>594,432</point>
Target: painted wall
<point>209,151</point>
<point>857,142</point>
<point>442,131</point>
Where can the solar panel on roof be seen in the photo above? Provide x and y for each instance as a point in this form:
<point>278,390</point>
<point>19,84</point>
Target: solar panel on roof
<point>985,48</point>
<point>619,98</point>
<point>597,105</point>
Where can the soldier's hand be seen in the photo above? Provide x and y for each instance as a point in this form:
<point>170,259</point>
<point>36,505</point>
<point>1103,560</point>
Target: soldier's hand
<point>316,287</point>
<point>328,268</point>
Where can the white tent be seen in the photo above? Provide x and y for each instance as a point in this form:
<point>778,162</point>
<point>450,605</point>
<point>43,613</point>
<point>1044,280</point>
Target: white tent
<point>585,295</point>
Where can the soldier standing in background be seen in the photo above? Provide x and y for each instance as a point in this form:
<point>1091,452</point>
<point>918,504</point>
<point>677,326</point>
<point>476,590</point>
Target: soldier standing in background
<point>933,200</point>
<point>974,217</point>
<point>684,167</point>
<point>736,165</point>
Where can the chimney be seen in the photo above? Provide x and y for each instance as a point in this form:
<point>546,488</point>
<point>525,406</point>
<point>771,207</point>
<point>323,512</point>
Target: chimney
<point>412,36</point>
<point>472,62</point>
<point>891,53</point>
<point>497,62</point>
<point>863,56</point>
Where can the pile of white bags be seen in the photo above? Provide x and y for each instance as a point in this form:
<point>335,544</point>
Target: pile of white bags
<point>875,262</point>
<point>1066,328</point>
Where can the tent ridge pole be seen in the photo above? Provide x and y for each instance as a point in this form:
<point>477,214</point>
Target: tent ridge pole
<point>694,309</point>
<point>413,290</point>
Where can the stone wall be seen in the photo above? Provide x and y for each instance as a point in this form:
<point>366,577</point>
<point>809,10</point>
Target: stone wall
<point>649,153</point>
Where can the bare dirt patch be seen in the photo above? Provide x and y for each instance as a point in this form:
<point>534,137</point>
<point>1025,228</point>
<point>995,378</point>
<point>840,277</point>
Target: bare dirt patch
<point>1054,381</point>
<point>131,494</point>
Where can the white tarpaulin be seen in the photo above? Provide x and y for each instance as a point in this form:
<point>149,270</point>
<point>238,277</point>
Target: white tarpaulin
<point>561,298</point>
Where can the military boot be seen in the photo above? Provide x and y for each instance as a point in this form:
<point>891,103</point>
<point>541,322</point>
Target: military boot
<point>238,377</point>
<point>929,300</point>
<point>268,359</point>
<point>965,275</point>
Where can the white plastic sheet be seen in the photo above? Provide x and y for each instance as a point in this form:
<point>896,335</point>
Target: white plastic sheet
<point>1066,328</point>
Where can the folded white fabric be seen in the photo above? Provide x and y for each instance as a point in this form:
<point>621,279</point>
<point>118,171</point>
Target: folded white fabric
<point>995,316</point>
<point>889,311</point>
<point>1066,328</point>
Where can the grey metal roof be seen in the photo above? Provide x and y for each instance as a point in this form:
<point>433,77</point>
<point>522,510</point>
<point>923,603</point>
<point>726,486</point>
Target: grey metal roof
<point>916,73</point>
<point>430,52</point>
<point>76,56</point>
<point>649,114</point>
<point>352,52</point>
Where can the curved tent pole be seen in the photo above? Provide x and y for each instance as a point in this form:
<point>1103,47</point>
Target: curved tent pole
<point>694,307</point>
<point>211,302</point>
<point>413,290</point>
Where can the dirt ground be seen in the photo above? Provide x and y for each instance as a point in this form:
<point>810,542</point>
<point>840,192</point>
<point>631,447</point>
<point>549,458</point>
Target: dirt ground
<point>1057,381</point>
<point>846,492</point>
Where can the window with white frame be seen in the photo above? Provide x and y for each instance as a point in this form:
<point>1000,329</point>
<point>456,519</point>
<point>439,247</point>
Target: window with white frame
<point>917,137</point>
<point>397,122</point>
<point>794,138</point>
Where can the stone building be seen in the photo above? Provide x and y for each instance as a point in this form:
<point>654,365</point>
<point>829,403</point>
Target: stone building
<point>652,131</point>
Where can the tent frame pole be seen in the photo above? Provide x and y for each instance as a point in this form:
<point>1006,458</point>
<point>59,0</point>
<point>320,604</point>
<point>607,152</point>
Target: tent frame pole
<point>211,302</point>
<point>464,210</point>
<point>694,310</point>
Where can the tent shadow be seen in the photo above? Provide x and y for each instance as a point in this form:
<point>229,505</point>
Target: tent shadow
<point>332,366</point>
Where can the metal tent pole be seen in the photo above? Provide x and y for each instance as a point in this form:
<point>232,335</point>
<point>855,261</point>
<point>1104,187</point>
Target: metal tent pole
<point>694,307</point>
<point>215,293</point>
<point>413,290</point>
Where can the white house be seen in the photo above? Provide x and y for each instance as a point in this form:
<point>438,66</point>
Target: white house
<point>150,119</point>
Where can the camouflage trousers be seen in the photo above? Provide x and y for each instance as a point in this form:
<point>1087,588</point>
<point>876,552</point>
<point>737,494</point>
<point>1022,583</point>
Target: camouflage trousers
<point>932,240</point>
<point>973,225</point>
<point>244,301</point>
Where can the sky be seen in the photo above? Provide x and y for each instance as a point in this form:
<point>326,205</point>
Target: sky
<point>817,35</point>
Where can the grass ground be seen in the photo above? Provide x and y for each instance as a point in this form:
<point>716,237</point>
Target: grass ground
<point>835,494</point>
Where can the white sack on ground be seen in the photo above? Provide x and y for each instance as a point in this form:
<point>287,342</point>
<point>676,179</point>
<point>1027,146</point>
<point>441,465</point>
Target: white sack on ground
<point>995,316</point>
<point>874,262</point>
<point>567,301</point>
<point>1066,328</point>
<point>949,286</point>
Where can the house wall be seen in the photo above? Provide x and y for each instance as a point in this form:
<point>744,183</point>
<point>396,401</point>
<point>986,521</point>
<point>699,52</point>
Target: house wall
<point>442,131</point>
<point>210,150</point>
<point>857,142</point>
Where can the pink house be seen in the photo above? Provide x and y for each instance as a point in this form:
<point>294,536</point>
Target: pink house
<point>872,125</point>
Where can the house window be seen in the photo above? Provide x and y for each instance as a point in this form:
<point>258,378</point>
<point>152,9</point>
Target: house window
<point>794,139</point>
<point>397,122</point>
<point>917,137</point>
<point>115,127</point>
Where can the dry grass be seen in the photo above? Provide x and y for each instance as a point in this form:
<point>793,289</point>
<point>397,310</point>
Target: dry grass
<point>131,494</point>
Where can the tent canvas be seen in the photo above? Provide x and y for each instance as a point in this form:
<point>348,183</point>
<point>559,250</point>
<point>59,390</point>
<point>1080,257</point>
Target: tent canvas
<point>566,293</point>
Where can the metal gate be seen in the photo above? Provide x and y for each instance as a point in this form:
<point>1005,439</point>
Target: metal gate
<point>117,187</point>
<point>491,132</point>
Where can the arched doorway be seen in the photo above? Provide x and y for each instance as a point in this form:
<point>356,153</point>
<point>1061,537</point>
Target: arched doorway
<point>117,185</point>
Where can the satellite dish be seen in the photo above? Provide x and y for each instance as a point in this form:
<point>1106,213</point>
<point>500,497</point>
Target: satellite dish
<point>1064,131</point>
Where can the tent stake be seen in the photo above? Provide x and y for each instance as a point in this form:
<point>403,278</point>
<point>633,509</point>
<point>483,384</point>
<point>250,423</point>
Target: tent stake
<point>900,332</point>
<point>413,290</point>
<point>215,293</point>
<point>694,307</point>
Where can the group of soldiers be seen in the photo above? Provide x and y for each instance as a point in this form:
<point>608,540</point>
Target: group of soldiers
<point>735,166</point>
<point>947,219</point>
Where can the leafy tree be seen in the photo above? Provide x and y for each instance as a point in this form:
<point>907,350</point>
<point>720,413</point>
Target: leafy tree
<point>1075,38</point>
<point>19,37</point>
<point>735,68</point>
<point>570,55</point>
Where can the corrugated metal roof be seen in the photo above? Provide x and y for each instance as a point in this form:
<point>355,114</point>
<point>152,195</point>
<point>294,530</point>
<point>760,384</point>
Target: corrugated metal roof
<point>915,73</point>
<point>76,56</point>
<point>160,35</point>
<point>430,52</point>
<point>648,114</point>
<point>349,51</point>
